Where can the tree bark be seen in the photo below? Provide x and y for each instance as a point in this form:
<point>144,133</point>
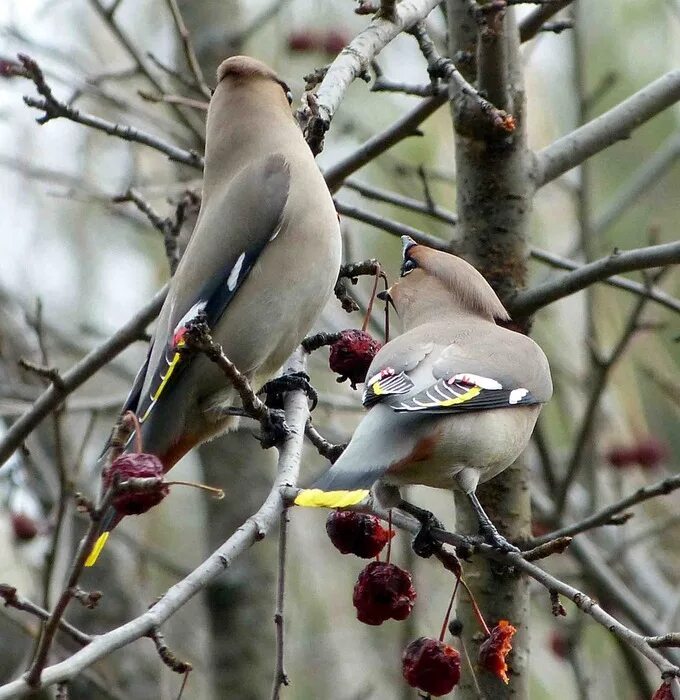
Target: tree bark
<point>494,192</point>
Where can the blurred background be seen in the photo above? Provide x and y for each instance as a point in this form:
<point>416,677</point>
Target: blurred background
<point>74,266</point>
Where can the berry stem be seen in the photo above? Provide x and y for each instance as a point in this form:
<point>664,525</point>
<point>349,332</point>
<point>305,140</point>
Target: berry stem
<point>218,493</point>
<point>387,310</point>
<point>448,610</point>
<point>369,309</point>
<point>389,536</point>
<point>476,610</point>
<point>131,416</point>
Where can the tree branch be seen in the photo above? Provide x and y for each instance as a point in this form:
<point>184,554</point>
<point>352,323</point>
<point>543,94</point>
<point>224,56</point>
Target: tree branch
<point>612,126</point>
<point>528,302</point>
<point>78,374</point>
<point>654,293</point>
<point>404,127</point>
<point>605,515</point>
<point>253,530</point>
<point>55,108</point>
<point>534,21</point>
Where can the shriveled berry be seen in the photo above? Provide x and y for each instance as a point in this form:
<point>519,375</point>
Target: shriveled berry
<point>23,526</point>
<point>334,41</point>
<point>663,692</point>
<point>383,591</point>
<point>431,666</point>
<point>495,648</point>
<point>136,465</point>
<point>621,457</point>
<point>650,452</point>
<point>352,354</point>
<point>559,645</point>
<point>304,40</point>
<point>357,533</point>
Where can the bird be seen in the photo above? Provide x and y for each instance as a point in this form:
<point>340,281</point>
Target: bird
<point>452,401</point>
<point>259,267</point>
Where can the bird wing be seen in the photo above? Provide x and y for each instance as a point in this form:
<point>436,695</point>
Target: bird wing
<point>211,272</point>
<point>389,372</point>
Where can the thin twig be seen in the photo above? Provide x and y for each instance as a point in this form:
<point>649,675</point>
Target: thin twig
<point>280,676</point>
<point>605,515</point>
<point>528,302</point>
<point>324,448</point>
<point>188,46</point>
<point>54,108</point>
<point>614,125</point>
<point>78,374</point>
<point>14,600</point>
<point>253,530</point>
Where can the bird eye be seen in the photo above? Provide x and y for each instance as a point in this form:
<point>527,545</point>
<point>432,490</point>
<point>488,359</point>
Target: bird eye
<point>408,266</point>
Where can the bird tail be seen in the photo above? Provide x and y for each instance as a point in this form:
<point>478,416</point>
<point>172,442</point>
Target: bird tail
<point>108,522</point>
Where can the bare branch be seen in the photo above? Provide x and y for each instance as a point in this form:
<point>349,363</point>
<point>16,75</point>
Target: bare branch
<point>189,52</point>
<point>604,516</point>
<point>654,293</point>
<point>534,21</point>
<point>355,59</point>
<point>54,109</point>
<point>14,600</point>
<point>528,302</point>
<point>402,128</point>
<point>280,676</point>
<point>612,126</point>
<point>79,373</point>
<point>253,530</point>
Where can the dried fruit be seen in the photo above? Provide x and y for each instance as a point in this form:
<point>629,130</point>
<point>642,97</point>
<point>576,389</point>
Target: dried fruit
<point>495,648</point>
<point>664,692</point>
<point>351,356</point>
<point>650,452</point>
<point>559,645</point>
<point>431,666</point>
<point>136,465</point>
<point>23,526</point>
<point>357,533</point>
<point>383,591</point>
<point>620,457</point>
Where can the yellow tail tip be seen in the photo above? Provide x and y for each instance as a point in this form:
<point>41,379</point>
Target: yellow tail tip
<point>316,498</point>
<point>96,549</point>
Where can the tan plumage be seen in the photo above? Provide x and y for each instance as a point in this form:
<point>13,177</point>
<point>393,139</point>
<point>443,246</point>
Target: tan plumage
<point>261,262</point>
<point>454,399</point>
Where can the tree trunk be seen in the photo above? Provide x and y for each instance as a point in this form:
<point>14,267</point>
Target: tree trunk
<point>494,191</point>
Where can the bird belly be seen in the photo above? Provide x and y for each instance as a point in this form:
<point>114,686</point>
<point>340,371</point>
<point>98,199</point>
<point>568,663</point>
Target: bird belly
<point>489,441</point>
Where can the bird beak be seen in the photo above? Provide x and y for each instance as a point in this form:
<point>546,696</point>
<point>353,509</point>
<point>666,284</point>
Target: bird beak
<point>387,297</point>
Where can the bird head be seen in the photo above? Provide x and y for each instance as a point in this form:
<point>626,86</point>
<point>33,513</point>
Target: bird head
<point>238,72</point>
<point>434,283</point>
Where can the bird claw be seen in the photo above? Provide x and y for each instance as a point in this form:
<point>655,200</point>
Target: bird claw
<point>276,388</point>
<point>274,429</point>
<point>424,543</point>
<point>497,541</point>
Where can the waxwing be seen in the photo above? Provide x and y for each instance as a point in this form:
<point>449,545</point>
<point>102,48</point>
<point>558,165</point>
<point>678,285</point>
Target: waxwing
<point>260,265</point>
<point>451,402</point>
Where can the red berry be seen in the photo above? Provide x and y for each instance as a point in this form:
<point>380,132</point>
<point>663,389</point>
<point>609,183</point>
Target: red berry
<point>357,533</point>
<point>351,356</point>
<point>334,41</point>
<point>495,648</point>
<point>136,465</point>
<point>650,452</point>
<point>431,666</point>
<point>664,692</point>
<point>303,41</point>
<point>24,527</point>
<point>621,457</point>
<point>559,645</point>
<point>383,591</point>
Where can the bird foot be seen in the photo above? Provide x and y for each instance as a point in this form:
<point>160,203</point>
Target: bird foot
<point>276,388</point>
<point>497,541</point>
<point>424,544</point>
<point>274,429</point>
